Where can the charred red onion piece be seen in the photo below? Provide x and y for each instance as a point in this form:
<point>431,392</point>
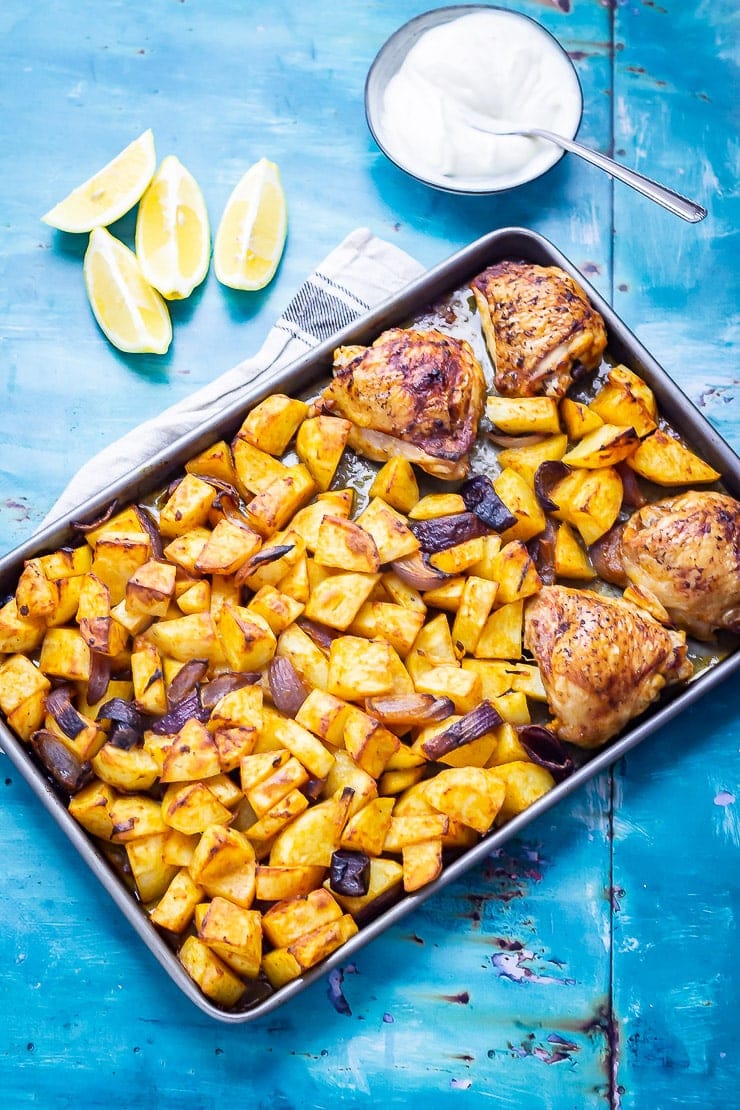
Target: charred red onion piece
<point>212,692</point>
<point>446,531</point>
<point>288,692</point>
<point>91,525</point>
<point>606,556</point>
<point>266,555</point>
<point>481,498</point>
<point>349,873</point>
<point>313,788</point>
<point>185,681</point>
<point>189,708</point>
<point>229,506</point>
<point>97,684</point>
<point>543,747</point>
<point>321,634</point>
<point>632,495</point>
<point>546,476</point>
<point>59,706</point>
<point>542,550</point>
<point>148,524</point>
<point>476,723</point>
<point>65,768</point>
<point>128,723</point>
<point>503,440</point>
<point>406,710</point>
<point>122,712</point>
<point>125,737</point>
<point>414,571</point>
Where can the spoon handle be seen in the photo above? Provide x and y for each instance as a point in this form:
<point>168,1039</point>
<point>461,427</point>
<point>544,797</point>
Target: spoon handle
<point>674,202</point>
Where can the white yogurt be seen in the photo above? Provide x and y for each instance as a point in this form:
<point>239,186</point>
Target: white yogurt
<point>493,64</point>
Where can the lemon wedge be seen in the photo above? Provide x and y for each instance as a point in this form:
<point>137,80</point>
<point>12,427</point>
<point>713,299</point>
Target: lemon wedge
<point>251,234</point>
<point>109,193</point>
<point>173,237</point>
<point>132,314</point>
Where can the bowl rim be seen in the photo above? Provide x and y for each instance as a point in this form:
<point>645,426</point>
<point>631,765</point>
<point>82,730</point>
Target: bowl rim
<point>412,30</point>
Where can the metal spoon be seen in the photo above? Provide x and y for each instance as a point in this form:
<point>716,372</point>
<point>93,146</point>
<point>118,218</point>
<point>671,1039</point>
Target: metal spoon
<point>674,202</point>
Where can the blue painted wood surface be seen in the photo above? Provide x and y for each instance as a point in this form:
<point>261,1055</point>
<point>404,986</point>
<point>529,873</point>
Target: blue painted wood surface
<point>592,963</point>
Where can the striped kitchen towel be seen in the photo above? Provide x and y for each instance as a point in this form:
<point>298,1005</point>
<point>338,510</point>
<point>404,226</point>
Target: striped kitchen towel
<point>358,274</point>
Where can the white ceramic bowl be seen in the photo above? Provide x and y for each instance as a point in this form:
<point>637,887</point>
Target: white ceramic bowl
<point>388,62</point>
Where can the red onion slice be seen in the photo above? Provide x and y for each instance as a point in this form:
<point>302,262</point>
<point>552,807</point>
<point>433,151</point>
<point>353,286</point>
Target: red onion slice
<point>543,747</point>
<point>632,495</point>
<point>266,555</point>
<point>149,525</point>
<point>501,439</point>
<point>407,710</point>
<point>606,556</point>
<point>227,683</point>
<point>189,708</point>
<point>185,681</point>
<point>288,692</point>
<point>414,571</point>
<point>321,634</point>
<point>59,706</point>
<point>474,724</point>
<point>542,550</point>
<point>547,475</point>
<point>122,712</point>
<point>91,525</point>
<point>97,683</point>
<point>447,531</point>
<point>67,770</point>
<point>481,498</point>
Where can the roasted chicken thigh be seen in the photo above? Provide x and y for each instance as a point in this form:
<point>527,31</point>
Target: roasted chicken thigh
<point>685,550</point>
<point>413,393</point>
<point>538,325</point>
<point>602,660</point>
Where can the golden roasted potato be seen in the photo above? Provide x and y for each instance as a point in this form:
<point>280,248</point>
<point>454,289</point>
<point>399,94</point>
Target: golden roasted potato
<point>396,483</point>
<point>272,423</point>
<point>589,500</point>
<point>359,668</point>
<point>663,459</point>
<point>606,446</point>
<point>233,933</point>
<point>579,419</point>
<point>212,975</point>
<point>320,445</point>
<point>528,415</point>
<point>570,560</point>
<point>524,783</point>
<point>625,399</point>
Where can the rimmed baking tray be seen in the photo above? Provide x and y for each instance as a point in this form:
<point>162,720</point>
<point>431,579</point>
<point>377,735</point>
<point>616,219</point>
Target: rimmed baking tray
<point>439,282</point>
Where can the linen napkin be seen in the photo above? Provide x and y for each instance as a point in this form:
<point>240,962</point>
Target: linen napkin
<point>359,273</point>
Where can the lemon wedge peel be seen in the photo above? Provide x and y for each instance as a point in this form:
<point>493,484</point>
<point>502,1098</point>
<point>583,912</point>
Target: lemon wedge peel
<point>130,313</point>
<point>252,231</point>
<point>173,237</point>
<point>110,193</point>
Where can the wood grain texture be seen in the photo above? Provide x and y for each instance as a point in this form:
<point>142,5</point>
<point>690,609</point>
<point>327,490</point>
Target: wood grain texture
<point>592,963</point>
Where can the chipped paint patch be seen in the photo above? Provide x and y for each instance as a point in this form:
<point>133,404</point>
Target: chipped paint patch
<point>552,1049</point>
<point>514,966</point>
<point>335,992</point>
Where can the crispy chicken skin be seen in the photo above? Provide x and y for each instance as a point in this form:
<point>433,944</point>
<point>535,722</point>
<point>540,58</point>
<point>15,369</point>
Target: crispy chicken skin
<point>414,393</point>
<point>686,551</point>
<point>538,324</point>
<point>603,660</point>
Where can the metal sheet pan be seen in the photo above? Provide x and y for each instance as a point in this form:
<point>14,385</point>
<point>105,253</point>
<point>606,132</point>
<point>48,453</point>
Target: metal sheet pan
<point>450,275</point>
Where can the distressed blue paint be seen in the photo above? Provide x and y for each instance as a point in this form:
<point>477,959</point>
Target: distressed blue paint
<point>612,923</point>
